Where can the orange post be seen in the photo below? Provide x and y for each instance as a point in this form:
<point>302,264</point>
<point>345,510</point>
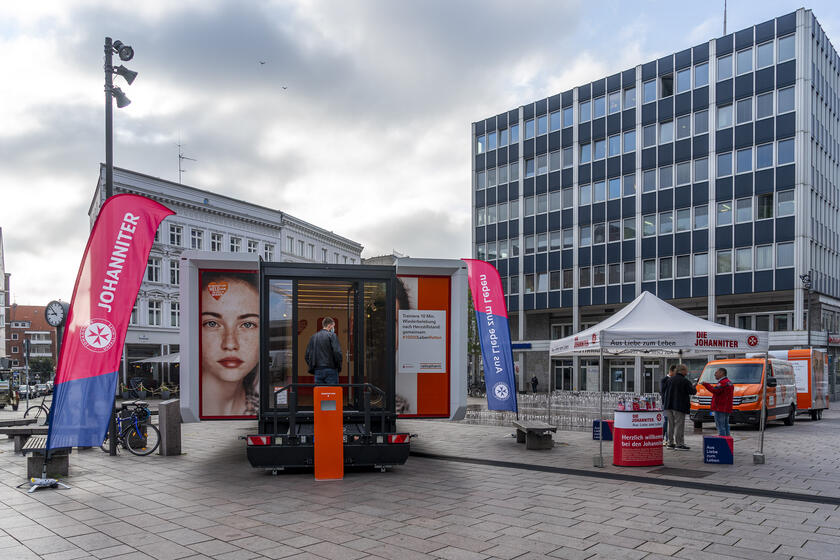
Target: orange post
<point>329,433</point>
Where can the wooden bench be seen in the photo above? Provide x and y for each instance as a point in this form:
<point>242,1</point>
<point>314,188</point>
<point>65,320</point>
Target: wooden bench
<point>534,434</point>
<point>22,433</point>
<point>17,422</point>
<point>59,464</point>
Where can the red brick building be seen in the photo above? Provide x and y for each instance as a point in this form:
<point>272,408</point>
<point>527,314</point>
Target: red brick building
<point>27,322</point>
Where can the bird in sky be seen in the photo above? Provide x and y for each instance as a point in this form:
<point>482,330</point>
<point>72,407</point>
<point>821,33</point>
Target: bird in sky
<point>262,61</point>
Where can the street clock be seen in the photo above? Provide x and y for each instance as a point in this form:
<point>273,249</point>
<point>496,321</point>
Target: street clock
<point>56,313</point>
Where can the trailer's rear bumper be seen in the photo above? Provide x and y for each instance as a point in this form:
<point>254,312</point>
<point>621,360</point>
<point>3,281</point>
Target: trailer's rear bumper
<point>283,452</point>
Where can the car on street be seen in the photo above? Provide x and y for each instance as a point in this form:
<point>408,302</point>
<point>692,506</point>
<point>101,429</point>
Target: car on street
<point>42,389</point>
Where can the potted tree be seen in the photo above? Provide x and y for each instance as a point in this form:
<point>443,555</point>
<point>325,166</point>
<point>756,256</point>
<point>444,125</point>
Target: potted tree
<point>141,391</point>
<point>125,392</point>
<point>165,392</point>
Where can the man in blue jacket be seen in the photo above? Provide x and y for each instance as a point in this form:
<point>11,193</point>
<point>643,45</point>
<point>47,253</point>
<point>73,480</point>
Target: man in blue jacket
<point>677,404</point>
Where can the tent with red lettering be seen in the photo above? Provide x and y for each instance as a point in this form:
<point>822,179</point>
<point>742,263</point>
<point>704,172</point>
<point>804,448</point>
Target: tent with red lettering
<point>648,326</point>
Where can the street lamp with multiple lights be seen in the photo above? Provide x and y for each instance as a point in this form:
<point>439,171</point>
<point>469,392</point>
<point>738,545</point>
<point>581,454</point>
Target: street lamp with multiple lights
<point>112,92</point>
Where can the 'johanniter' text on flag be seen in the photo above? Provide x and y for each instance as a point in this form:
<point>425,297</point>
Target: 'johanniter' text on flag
<point>494,334</point>
<point>107,284</point>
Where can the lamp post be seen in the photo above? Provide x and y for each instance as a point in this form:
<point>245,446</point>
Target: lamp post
<point>806,283</point>
<point>112,92</point>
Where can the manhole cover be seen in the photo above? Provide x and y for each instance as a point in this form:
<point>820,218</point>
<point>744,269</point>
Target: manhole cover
<point>685,473</point>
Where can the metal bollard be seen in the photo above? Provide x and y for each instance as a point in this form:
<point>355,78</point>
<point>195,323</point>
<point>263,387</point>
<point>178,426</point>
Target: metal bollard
<point>169,423</point>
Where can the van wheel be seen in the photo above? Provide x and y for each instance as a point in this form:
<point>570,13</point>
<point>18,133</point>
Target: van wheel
<point>791,417</point>
<point>698,425</point>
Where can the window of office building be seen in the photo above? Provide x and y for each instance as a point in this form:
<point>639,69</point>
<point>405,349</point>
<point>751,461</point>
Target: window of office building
<point>701,264</point>
<point>529,283</point>
<point>599,191</point>
<point>764,105</point>
<point>684,173</point>
<point>514,247</point>
<point>743,160</point>
<point>480,214</point>
<point>568,116</point>
<point>764,257</point>
<point>724,116</point>
<point>529,167</point>
<point>683,126</point>
<point>491,140</point>
<point>629,272</point>
<point>649,270</point>
<point>724,213</point>
<point>585,236</point>
<point>649,180</point>
<point>629,98</point>
<point>743,259</point>
<point>529,244</point>
<point>666,270</point>
<point>615,102</point>
<point>600,149</point>
<point>542,242</point>
<point>724,164</point>
<point>666,132</point>
<point>785,204</point>
<point>529,129</point>
<point>785,100</point>
<point>542,165</point>
<point>764,206</point>
<point>542,124</point>
<point>585,112</point>
<point>683,266</point>
<point>743,111</point>
<point>585,277</point>
<point>649,91</point>
<point>599,234</point>
<point>491,177</point>
<point>744,61</point>
<point>513,209</point>
<point>555,240</point>
<point>503,137</point>
<point>724,67</point>
<point>701,75</point>
<point>701,170</point>
<point>683,80</point>
<point>599,107</point>
<point>568,197</point>
<point>556,281</point>
<point>724,261</point>
<point>599,275</point>
<point>784,255</point>
<point>649,136</point>
<point>629,228</point>
<point>764,156</point>
<point>514,133</point>
<point>585,195</point>
<point>615,145</point>
<point>585,153</point>
<point>649,225</point>
<point>701,217</point>
<point>787,48</point>
<point>629,141</point>
<point>629,182</point>
<point>235,244</point>
<point>764,55</point>
<point>568,238</point>
<point>666,177</point>
<point>480,144</point>
<point>614,274</point>
<point>784,152</point>
<point>555,161</point>
<point>684,219</point>
<point>666,86</point>
<point>666,222</point>
<point>701,122</point>
<point>614,190</point>
<point>614,231</point>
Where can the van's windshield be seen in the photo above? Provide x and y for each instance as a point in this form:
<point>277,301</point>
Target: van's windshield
<point>737,373</point>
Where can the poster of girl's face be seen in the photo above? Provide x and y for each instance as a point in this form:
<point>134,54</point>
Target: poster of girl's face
<point>229,320</point>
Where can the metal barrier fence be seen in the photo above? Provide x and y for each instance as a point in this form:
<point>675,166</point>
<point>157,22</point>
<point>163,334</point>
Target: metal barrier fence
<point>569,410</point>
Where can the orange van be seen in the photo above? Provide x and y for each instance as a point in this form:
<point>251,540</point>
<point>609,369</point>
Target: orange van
<point>747,375</point>
<point>810,367</point>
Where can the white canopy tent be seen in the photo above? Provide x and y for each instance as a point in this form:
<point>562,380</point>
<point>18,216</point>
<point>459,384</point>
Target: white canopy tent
<point>174,358</point>
<point>650,327</point>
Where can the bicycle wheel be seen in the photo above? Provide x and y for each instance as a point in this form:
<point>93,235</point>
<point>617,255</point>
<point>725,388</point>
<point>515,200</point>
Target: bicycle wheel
<point>106,444</point>
<point>143,443</point>
<point>39,413</point>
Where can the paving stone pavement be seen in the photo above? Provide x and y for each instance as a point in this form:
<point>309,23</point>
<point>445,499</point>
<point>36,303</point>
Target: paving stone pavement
<point>209,503</point>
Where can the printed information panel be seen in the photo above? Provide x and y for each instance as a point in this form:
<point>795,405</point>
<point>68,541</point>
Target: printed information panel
<point>637,438</point>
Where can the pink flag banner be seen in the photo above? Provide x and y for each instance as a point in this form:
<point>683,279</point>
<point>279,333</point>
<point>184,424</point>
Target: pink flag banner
<point>106,287</point>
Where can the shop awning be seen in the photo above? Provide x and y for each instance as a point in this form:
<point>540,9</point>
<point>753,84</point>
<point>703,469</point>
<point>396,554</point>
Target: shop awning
<point>174,358</point>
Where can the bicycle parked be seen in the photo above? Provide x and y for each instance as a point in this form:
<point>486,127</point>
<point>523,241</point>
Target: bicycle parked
<point>40,412</point>
<point>135,432</point>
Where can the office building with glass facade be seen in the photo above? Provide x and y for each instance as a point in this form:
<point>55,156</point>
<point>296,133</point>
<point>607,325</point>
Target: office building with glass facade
<point>708,177</point>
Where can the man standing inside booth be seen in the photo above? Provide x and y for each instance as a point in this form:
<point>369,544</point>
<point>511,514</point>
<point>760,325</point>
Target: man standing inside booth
<point>323,354</point>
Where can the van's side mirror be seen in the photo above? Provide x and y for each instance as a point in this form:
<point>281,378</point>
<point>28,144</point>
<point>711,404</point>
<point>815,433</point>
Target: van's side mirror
<point>771,382</point>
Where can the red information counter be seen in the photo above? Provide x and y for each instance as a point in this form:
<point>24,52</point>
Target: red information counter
<point>637,438</point>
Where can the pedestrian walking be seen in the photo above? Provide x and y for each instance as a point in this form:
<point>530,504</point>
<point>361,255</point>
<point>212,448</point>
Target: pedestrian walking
<point>677,404</point>
<point>722,393</point>
<point>534,383</point>
<point>663,385</point>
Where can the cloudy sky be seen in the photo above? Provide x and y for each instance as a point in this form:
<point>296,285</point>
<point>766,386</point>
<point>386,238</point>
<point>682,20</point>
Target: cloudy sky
<point>370,137</point>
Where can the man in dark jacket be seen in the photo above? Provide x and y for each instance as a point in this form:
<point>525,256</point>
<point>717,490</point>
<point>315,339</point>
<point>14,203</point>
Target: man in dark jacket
<point>323,354</point>
<point>663,386</point>
<point>677,404</point>
<point>722,393</point>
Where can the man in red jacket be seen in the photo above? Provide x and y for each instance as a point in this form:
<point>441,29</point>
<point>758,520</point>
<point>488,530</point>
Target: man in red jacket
<point>721,400</point>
